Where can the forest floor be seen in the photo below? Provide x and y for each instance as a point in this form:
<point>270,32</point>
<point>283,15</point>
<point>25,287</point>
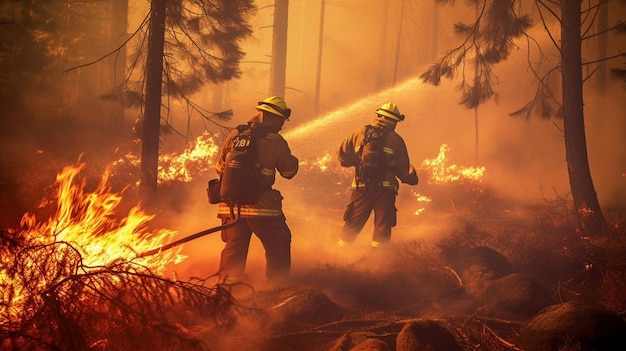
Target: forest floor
<point>473,270</point>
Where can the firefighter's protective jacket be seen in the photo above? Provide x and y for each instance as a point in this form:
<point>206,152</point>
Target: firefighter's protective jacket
<point>273,154</point>
<point>396,154</point>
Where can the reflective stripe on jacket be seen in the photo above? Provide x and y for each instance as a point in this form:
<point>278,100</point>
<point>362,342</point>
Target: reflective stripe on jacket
<point>268,205</point>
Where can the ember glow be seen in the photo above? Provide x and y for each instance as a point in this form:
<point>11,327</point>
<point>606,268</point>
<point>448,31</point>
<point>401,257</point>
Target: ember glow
<point>420,199</point>
<point>196,159</point>
<point>441,173</point>
<point>88,222</point>
<point>321,163</point>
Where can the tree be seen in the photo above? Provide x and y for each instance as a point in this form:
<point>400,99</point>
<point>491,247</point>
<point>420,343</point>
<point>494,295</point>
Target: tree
<point>24,53</point>
<point>152,118</point>
<point>490,39</point>
<point>38,41</point>
<point>279,48</point>
<point>584,195</point>
<point>189,42</point>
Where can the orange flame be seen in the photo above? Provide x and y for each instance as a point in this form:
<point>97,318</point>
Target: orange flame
<point>420,198</point>
<point>88,222</point>
<point>440,173</point>
<point>199,158</point>
<point>321,163</point>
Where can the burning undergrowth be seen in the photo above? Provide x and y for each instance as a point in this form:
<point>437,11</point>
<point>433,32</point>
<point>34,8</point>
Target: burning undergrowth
<point>53,301</point>
<point>78,281</point>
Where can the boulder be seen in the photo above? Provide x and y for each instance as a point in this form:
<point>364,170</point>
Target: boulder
<point>304,305</point>
<point>517,296</point>
<point>574,326</point>
<point>360,341</point>
<point>481,262</point>
<point>425,335</point>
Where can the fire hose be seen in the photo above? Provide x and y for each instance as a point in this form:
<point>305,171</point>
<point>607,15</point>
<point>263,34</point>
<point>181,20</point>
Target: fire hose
<point>197,235</point>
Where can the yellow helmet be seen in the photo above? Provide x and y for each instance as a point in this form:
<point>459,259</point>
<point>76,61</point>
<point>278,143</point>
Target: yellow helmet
<point>389,109</point>
<point>275,105</point>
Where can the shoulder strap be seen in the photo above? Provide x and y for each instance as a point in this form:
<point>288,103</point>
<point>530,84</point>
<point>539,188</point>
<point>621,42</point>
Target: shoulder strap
<point>373,131</point>
<point>242,127</point>
<point>263,130</point>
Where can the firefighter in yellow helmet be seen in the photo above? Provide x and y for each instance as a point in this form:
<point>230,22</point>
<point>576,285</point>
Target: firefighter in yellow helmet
<point>265,217</point>
<point>380,158</point>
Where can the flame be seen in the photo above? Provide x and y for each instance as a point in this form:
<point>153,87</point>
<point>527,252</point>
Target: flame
<point>196,159</point>
<point>321,163</point>
<point>420,198</point>
<point>88,222</point>
<point>440,173</point>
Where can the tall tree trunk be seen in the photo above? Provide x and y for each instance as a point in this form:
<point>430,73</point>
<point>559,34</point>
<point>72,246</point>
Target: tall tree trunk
<point>398,42</point>
<point>583,192</point>
<point>602,24</point>
<point>152,118</point>
<point>382,55</point>
<point>433,50</point>
<point>279,48</point>
<point>318,73</point>
<point>115,74</point>
<point>119,29</point>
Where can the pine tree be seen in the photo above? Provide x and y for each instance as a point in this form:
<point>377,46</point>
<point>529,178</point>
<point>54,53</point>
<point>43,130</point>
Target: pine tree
<point>490,39</point>
<point>190,42</point>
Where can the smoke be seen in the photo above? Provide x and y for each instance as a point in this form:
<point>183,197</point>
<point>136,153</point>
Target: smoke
<point>516,163</point>
<point>523,159</point>
<point>606,127</point>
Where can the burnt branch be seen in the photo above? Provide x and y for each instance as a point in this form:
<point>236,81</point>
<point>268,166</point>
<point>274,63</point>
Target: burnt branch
<point>52,301</point>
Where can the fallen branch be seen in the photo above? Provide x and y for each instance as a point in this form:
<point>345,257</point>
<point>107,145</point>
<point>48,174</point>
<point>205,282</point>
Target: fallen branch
<point>500,339</point>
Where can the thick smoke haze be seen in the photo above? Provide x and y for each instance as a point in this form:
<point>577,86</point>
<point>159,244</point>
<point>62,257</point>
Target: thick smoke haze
<point>524,159</point>
<point>455,243</point>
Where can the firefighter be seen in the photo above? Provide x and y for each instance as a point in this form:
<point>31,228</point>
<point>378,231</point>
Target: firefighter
<point>265,217</point>
<point>378,195</point>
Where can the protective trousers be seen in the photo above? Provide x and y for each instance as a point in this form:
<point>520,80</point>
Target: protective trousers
<point>275,236</point>
<point>363,200</point>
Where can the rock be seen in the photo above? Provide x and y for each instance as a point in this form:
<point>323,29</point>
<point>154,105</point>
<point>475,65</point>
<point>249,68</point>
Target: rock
<point>481,263</point>
<point>517,296</point>
<point>478,266</point>
<point>360,341</point>
<point>371,345</point>
<point>303,305</point>
<point>425,335</point>
<point>574,326</point>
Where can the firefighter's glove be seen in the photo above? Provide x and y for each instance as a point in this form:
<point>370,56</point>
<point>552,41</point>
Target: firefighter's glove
<point>411,177</point>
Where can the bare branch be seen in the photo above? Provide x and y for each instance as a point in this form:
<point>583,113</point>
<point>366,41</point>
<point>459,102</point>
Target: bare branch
<point>115,51</point>
<point>594,10</point>
<point>621,54</point>
<point>620,28</point>
<point>543,20</point>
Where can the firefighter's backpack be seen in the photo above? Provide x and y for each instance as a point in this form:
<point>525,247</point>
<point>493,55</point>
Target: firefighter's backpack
<point>241,180</point>
<point>372,160</point>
